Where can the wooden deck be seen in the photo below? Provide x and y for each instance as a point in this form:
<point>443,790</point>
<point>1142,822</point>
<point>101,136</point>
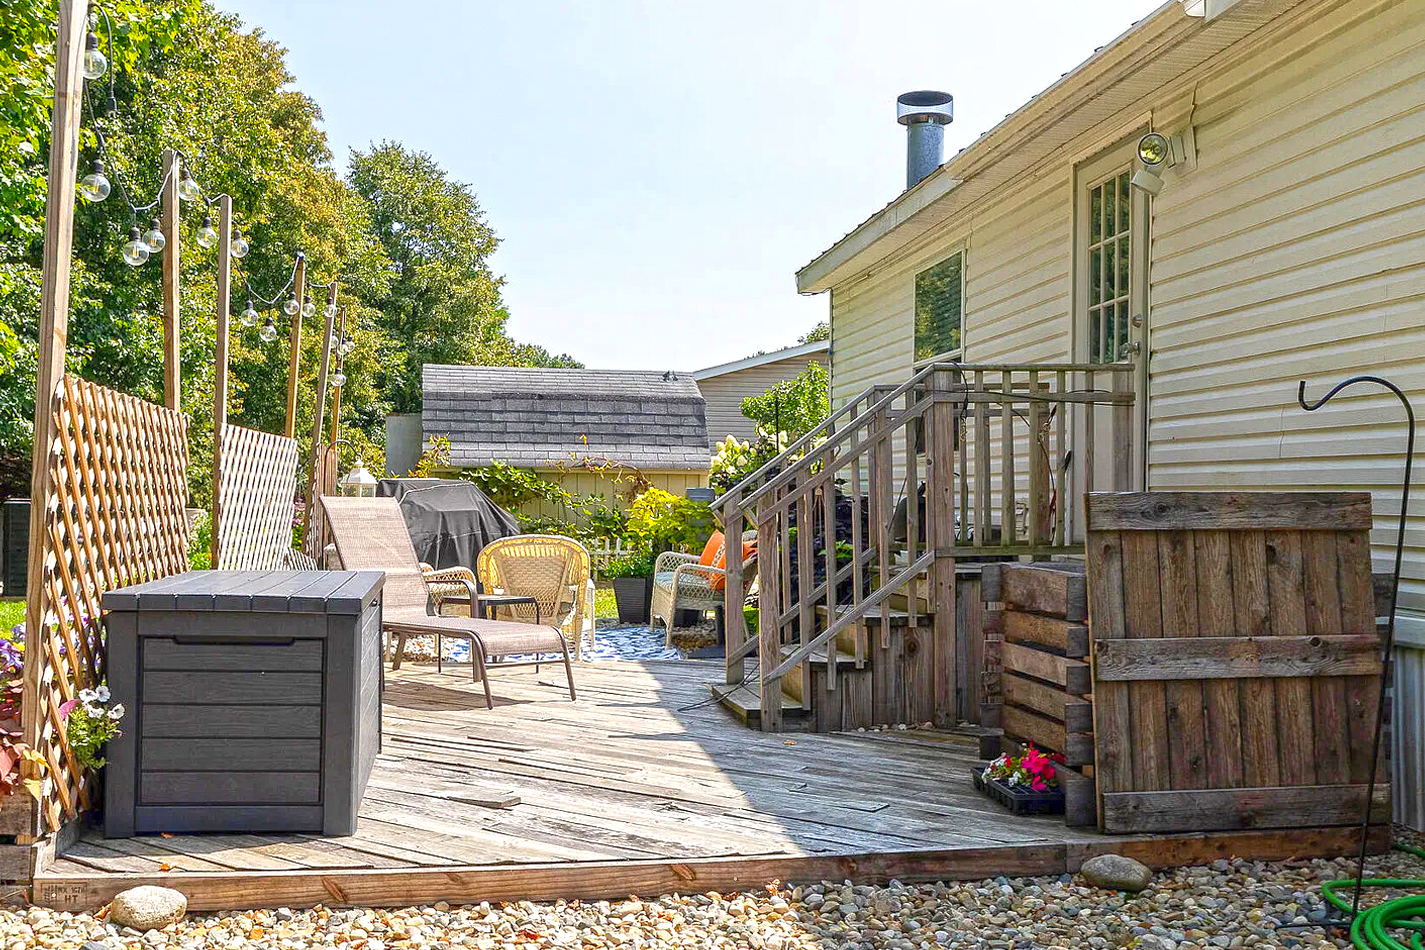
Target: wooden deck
<point>642,786</point>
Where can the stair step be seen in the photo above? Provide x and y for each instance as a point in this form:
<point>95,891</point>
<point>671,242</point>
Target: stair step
<point>897,616</point>
<point>746,704</point>
<point>844,659</point>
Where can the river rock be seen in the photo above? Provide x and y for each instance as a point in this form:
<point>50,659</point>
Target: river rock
<point>148,908</point>
<point>1116,872</point>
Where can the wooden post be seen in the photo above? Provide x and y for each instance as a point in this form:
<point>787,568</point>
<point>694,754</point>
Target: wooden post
<point>336,396</point>
<point>940,536</point>
<point>172,389</point>
<point>294,364</point>
<point>53,335</point>
<point>318,411</point>
<point>734,622</point>
<point>769,627</point>
<point>220,359</point>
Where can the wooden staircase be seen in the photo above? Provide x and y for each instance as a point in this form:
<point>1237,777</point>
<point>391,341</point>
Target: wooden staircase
<point>860,523</point>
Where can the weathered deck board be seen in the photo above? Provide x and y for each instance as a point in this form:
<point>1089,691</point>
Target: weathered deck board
<point>640,786</point>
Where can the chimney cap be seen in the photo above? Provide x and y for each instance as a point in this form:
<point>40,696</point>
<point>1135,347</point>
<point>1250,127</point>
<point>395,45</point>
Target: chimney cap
<point>925,105</point>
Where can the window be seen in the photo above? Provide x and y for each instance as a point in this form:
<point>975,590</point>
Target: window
<point>939,308</point>
<point>1109,263</point>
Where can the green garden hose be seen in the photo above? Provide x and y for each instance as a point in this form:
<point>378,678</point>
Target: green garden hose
<point>1370,930</point>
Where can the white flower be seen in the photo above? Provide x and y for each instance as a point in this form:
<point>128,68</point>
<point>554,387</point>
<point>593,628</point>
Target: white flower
<point>94,712</point>
<point>87,696</point>
<point>102,694</point>
<point>1014,779</point>
<point>117,712</point>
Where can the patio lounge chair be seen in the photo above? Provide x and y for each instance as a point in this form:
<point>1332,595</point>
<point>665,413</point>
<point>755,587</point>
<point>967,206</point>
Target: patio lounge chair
<point>554,570</point>
<point>695,582</point>
<point>370,534</point>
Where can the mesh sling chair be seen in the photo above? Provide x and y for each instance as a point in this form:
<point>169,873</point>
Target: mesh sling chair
<point>370,534</point>
<point>554,570</point>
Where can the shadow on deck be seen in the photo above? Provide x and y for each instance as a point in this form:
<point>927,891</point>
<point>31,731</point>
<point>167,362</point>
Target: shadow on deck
<point>641,787</point>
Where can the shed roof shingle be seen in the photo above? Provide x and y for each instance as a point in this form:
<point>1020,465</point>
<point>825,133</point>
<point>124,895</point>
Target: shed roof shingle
<point>541,417</point>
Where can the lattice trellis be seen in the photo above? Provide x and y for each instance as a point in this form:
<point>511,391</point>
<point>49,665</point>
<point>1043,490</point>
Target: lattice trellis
<point>257,486</point>
<point>324,483</point>
<point>118,473</point>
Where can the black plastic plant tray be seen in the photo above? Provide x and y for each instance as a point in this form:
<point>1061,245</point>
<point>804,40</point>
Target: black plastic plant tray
<point>1019,802</point>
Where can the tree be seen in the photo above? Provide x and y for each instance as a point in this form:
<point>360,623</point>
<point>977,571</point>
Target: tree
<point>794,406</point>
<point>444,302</point>
<point>822,331</point>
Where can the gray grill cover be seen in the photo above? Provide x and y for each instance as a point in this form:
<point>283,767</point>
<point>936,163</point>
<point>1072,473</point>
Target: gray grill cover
<point>449,520</point>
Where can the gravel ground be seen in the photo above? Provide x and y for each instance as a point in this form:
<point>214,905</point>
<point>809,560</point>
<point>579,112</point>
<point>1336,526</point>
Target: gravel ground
<point>1227,905</point>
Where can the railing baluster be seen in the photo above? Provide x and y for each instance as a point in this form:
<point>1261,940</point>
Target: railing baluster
<point>1089,439</point>
<point>806,537</point>
<point>1035,459</point>
<point>1057,460</point>
<point>828,534</point>
<point>912,428</point>
<point>1007,533</point>
<point>982,465</point>
<point>857,541</point>
<point>734,623</point>
<point>883,478</point>
<point>769,639</point>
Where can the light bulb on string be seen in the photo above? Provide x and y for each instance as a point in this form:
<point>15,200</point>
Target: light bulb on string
<point>136,251</point>
<point>95,65</point>
<point>291,307</point>
<point>338,379</point>
<point>329,311</point>
<point>207,234</point>
<point>239,246</point>
<point>268,331</point>
<point>95,185</point>
<point>154,238</point>
<point>188,189</point>
<point>347,345</point>
<point>309,309</point>
<point>249,316</point>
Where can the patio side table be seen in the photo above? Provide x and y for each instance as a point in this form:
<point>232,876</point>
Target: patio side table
<point>254,698</point>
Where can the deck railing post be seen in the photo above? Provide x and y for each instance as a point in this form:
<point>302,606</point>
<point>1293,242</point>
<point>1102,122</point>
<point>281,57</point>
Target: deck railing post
<point>769,626</point>
<point>1123,431</point>
<point>940,534</point>
<point>734,622</point>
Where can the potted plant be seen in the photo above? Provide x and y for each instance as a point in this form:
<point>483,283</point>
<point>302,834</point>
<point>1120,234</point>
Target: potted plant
<point>1026,784</point>
<point>632,576</point>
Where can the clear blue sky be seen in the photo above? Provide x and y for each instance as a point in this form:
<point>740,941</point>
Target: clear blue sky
<point>658,171</point>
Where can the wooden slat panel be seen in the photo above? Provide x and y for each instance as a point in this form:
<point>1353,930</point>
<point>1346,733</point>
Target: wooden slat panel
<point>1046,733</point>
<point>1218,511</point>
<point>1062,592</point>
<point>229,755</point>
<point>1147,702</point>
<point>1113,724</point>
<point>257,488</point>
<point>1071,674</point>
<point>1187,725</point>
<point>1251,607</point>
<point>1213,555</point>
<point>258,788</point>
<point>1198,658</point>
<point>1358,611</point>
<point>1242,808</point>
<point>1328,693</point>
<point>1066,637</point>
<point>1073,711</point>
<point>1287,579</point>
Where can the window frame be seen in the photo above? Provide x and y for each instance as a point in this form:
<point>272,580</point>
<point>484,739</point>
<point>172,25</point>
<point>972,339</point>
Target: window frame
<point>952,355</point>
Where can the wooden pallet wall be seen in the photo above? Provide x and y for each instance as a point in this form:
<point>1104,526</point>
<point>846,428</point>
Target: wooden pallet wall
<point>1236,659</point>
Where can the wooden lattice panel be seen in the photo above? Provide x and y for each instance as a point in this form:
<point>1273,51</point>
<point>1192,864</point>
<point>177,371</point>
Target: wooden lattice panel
<point>324,483</point>
<point>257,487</point>
<point>118,472</point>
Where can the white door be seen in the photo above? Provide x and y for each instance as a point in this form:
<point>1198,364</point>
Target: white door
<point>1111,319</point>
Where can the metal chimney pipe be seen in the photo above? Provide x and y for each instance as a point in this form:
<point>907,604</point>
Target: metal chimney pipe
<point>924,113</point>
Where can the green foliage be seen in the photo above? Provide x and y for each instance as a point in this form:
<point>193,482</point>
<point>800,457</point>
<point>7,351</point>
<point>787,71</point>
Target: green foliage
<point>736,459</point>
<point>511,487</point>
<point>200,545</point>
<point>637,564</point>
<point>410,246</point>
<point>659,520</point>
<point>822,331</point>
<point>794,406</point>
<point>89,723</point>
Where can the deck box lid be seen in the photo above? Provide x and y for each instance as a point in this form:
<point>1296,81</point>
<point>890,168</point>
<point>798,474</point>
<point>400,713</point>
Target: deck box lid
<point>305,592</point>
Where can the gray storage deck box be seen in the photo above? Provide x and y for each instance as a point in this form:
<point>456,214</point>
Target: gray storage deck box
<point>253,698</point>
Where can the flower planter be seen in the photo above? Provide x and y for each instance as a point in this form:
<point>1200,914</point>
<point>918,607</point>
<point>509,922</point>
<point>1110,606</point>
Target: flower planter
<point>1020,801</point>
<point>633,595</point>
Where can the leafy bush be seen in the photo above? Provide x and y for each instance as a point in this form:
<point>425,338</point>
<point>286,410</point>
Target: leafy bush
<point>509,486</point>
<point>736,459</point>
<point>659,520</point>
<point>639,564</point>
<point>89,722</point>
<point>200,545</point>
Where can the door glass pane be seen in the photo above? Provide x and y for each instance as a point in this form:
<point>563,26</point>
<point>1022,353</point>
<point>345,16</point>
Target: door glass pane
<point>1108,266</point>
<point>1095,277</point>
<point>1110,210</point>
<point>1122,282</point>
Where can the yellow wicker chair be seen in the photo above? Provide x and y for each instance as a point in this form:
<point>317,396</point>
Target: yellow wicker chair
<point>553,570</point>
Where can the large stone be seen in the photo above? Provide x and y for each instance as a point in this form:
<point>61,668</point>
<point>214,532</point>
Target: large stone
<point>147,908</point>
<point>1116,872</point>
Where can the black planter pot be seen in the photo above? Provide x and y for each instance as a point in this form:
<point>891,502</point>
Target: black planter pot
<point>1020,801</point>
<point>633,595</point>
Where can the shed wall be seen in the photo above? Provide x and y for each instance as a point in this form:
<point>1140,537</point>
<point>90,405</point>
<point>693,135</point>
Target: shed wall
<point>723,395</point>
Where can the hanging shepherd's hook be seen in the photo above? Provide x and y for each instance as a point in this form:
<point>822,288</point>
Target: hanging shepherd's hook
<point>1389,645</point>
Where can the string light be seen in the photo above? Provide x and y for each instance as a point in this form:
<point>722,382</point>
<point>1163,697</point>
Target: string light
<point>239,246</point>
<point>188,189</point>
<point>338,379</point>
<point>268,331</point>
<point>95,185</point>
<point>291,307</point>
<point>309,309</point>
<point>207,235</point>
<point>329,311</point>
<point>95,65</point>
<point>347,345</point>
<point>136,251</point>
<point>249,316</point>
<point>154,238</point>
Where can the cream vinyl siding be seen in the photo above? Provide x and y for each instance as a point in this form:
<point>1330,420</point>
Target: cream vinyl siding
<point>1296,250</point>
<point>723,394</point>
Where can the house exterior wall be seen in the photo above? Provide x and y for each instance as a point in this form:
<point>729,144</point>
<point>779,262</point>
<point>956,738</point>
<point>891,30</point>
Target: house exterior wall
<point>723,394</point>
<point>1294,250</point>
<point>588,483</point>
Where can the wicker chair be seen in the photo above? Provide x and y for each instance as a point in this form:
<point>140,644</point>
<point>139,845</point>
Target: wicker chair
<point>680,582</point>
<point>553,570</point>
<point>370,534</point>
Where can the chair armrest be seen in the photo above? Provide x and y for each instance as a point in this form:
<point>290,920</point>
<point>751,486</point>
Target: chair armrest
<point>454,574</point>
<point>707,571</point>
<point>672,558</point>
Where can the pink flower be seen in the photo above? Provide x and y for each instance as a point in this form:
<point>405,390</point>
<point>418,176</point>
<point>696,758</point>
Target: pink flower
<point>67,708</point>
